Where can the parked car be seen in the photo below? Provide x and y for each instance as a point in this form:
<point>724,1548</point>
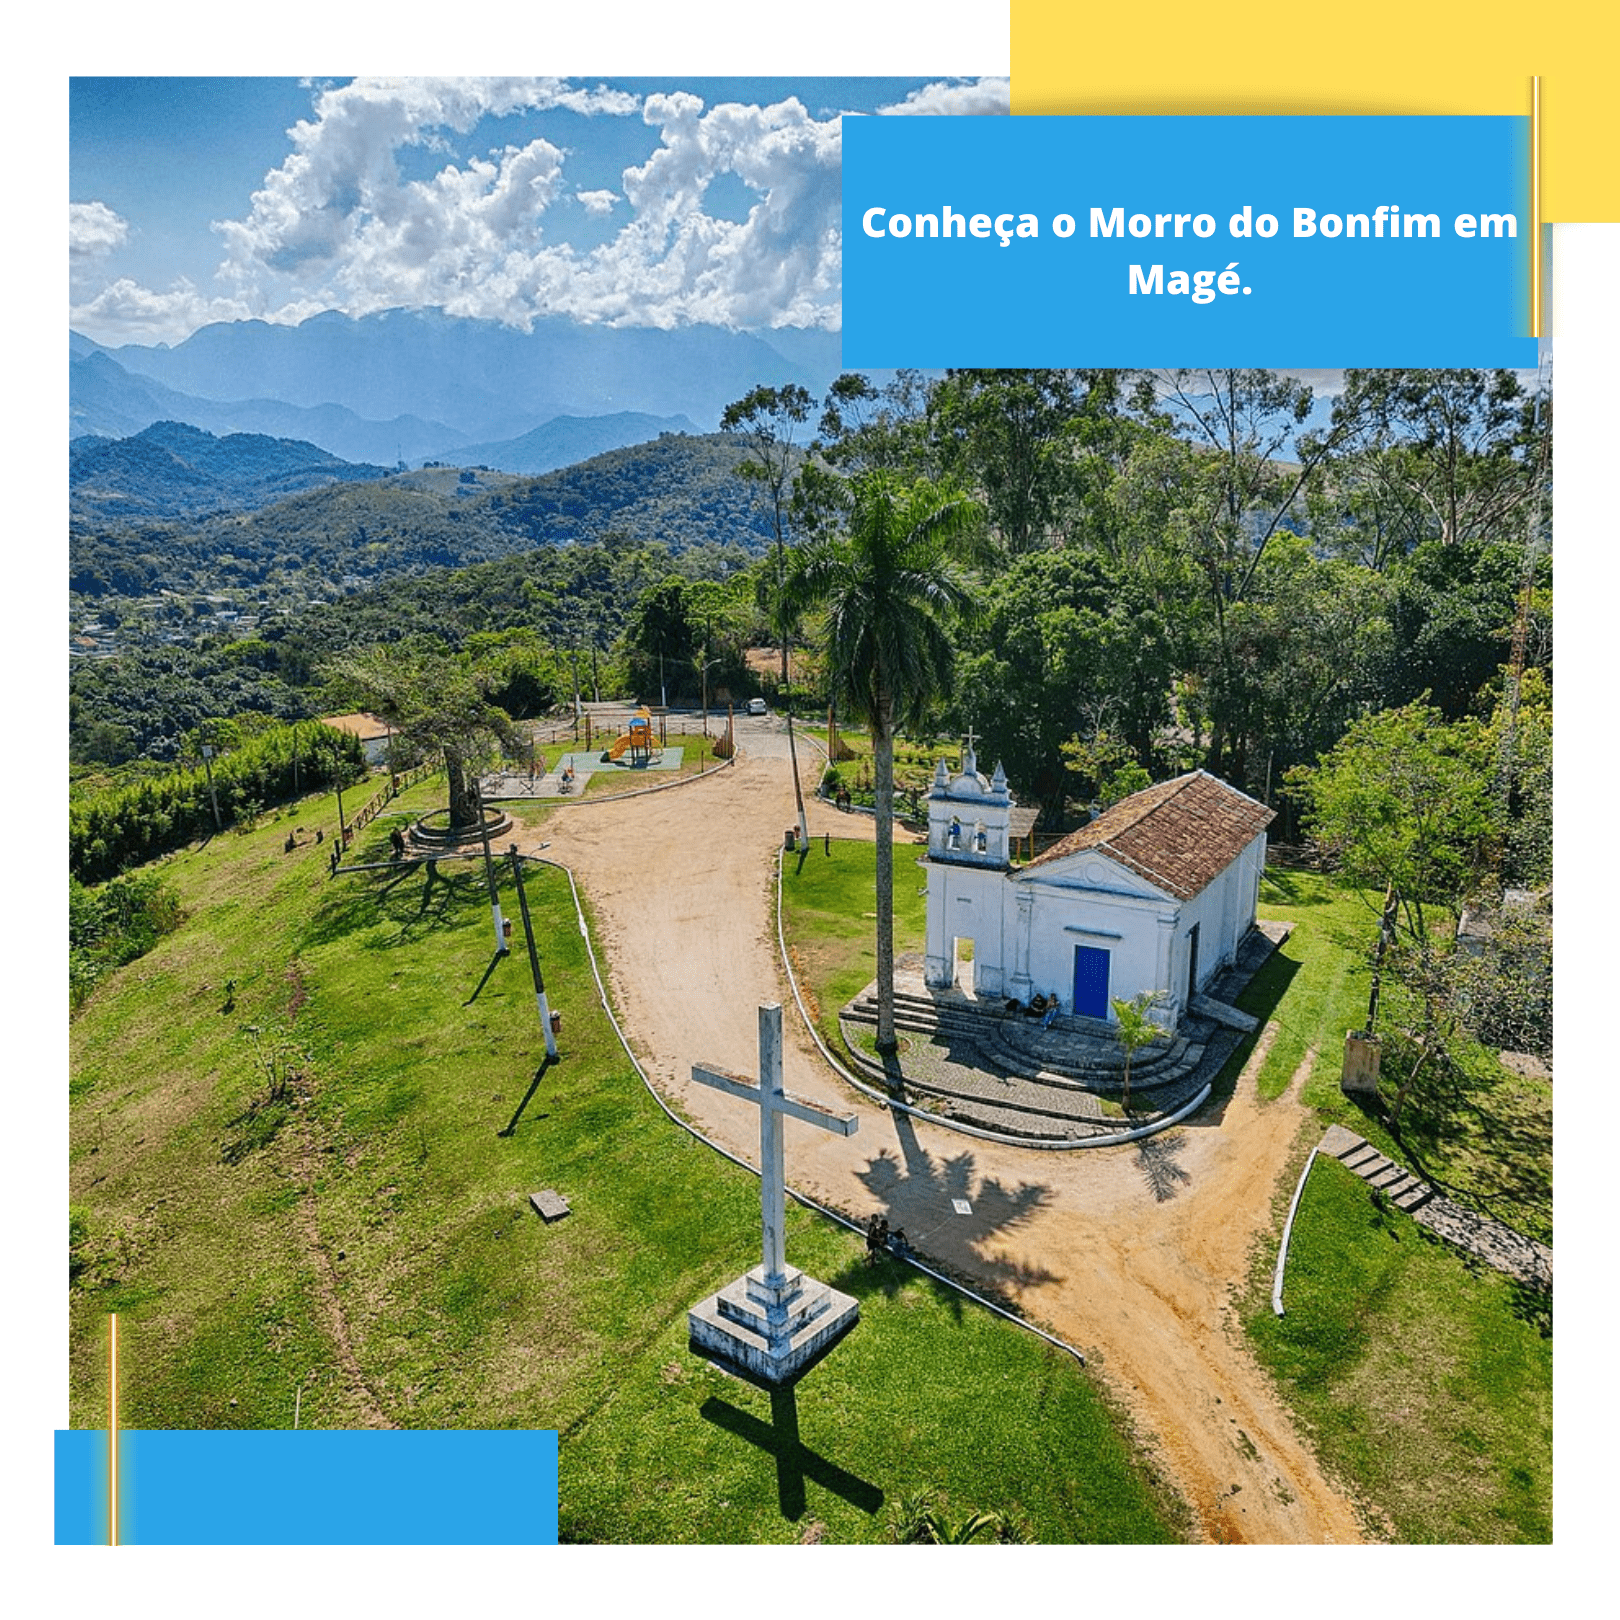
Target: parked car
<point>757,706</point>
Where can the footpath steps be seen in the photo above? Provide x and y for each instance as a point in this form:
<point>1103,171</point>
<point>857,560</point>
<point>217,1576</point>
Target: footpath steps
<point>1497,1245</point>
<point>1071,1054</point>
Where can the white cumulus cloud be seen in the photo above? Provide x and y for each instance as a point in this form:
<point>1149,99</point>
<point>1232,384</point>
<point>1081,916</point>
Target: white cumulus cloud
<point>957,98</point>
<point>137,314</point>
<point>378,204</point>
<point>338,220</point>
<point>342,175</point>
<point>94,230</point>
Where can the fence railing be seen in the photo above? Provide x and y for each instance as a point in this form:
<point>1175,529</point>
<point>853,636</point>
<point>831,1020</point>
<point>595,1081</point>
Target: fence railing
<point>369,811</point>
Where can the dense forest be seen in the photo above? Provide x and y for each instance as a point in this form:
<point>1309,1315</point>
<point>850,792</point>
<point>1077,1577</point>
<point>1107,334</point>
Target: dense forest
<point>1171,569</point>
<point>133,552</point>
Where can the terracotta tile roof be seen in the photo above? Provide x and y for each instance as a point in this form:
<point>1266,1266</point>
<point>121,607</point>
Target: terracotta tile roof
<point>1179,835</point>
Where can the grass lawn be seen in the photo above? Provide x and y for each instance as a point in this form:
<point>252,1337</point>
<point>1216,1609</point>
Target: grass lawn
<point>1408,1364</point>
<point>362,1244</point>
<point>1488,1145</point>
<point>829,915</point>
<point>1425,1382</point>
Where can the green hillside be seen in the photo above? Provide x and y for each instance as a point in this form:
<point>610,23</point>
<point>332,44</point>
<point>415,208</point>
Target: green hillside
<point>304,1130</point>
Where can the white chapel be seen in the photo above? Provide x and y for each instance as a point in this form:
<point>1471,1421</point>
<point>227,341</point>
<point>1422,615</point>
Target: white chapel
<point>1153,896</point>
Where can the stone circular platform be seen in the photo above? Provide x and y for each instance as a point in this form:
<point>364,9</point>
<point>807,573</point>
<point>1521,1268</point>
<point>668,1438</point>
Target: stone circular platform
<point>434,831</point>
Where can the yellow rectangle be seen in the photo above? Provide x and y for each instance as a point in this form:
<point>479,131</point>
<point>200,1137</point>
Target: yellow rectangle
<point>1384,56</point>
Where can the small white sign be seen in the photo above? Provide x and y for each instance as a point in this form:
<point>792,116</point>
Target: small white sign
<point>961,1206</point>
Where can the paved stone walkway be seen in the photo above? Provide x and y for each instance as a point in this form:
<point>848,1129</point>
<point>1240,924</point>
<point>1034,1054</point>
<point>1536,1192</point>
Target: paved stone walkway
<point>1498,1246</point>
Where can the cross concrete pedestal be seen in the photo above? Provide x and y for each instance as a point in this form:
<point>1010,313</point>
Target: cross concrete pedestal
<point>772,1325</point>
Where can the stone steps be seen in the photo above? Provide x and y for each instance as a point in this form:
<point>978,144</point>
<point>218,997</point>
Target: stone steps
<point>1361,1158</point>
<point>1025,1109</point>
<point>1090,1060</point>
<point>1497,1245</point>
<point>1054,1058</point>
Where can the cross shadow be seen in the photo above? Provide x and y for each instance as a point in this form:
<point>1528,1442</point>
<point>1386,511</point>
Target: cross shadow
<point>795,1462</point>
<point>534,1086</point>
<point>494,962</point>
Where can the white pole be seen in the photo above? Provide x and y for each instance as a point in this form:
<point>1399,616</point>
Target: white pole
<point>771,1178</point>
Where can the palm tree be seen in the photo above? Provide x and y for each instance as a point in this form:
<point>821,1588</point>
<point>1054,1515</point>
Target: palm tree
<point>1133,1030</point>
<point>890,594</point>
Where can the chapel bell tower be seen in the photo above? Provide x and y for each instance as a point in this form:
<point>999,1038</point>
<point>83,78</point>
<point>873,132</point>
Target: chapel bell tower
<point>969,817</point>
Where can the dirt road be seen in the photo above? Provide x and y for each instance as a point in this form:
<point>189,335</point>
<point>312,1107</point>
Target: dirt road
<point>1129,1253</point>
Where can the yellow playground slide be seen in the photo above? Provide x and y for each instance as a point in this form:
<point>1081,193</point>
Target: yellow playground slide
<point>639,737</point>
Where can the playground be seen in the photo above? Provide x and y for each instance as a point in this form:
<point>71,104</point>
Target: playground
<point>611,753</point>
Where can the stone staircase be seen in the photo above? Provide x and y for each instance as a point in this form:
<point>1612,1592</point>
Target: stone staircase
<point>1072,1054</point>
<point>1497,1245</point>
<point>975,1064</point>
<point>1359,1156</point>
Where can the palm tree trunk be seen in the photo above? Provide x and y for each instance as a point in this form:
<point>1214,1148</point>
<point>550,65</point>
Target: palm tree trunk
<point>883,803</point>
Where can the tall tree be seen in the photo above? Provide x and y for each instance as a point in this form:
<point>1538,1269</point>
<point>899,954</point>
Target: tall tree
<point>769,420</point>
<point>890,594</point>
<point>438,703</point>
<point>1404,803</point>
<point>1017,436</point>
<point>1232,494</point>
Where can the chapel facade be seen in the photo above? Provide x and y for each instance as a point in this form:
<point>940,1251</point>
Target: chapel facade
<point>1154,896</point>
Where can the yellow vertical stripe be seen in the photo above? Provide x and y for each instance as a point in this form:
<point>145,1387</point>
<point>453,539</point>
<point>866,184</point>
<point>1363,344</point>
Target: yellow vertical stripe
<point>112,1430</point>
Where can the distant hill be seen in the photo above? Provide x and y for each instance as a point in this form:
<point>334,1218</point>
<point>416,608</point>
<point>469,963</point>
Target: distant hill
<point>565,440</point>
<point>108,401</point>
<point>173,470</point>
<point>679,491</point>
<point>487,381</point>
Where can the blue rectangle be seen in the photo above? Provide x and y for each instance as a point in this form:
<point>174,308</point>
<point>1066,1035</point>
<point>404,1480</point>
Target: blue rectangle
<point>987,295</point>
<point>1090,982</point>
<point>249,1487</point>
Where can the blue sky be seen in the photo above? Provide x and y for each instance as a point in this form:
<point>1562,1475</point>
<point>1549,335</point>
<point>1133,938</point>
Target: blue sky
<point>635,201</point>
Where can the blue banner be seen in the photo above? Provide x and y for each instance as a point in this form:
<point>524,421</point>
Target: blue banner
<point>249,1487</point>
<point>1186,242</point>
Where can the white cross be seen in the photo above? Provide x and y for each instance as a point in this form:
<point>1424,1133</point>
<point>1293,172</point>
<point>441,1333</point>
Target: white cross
<point>773,1102</point>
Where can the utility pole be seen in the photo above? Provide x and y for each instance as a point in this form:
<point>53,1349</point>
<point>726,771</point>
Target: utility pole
<point>501,946</point>
<point>208,755</point>
<point>534,956</point>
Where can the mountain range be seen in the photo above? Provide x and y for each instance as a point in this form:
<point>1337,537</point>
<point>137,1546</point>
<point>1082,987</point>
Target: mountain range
<point>418,385</point>
<point>174,470</point>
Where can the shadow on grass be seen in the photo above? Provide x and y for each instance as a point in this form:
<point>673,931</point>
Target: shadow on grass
<point>795,1462</point>
<point>494,962</point>
<point>534,1086</point>
<point>1260,997</point>
<point>357,904</point>
<point>1285,886</point>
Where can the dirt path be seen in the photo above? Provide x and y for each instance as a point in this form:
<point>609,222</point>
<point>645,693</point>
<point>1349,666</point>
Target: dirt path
<point>1130,1253</point>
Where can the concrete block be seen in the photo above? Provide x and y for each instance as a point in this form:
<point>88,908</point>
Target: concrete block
<point>768,1331</point>
<point>1362,1056</point>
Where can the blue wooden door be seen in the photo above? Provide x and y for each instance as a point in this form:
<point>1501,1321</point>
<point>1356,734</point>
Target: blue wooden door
<point>1090,982</point>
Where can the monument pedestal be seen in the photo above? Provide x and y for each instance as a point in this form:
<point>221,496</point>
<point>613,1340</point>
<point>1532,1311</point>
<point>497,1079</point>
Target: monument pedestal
<point>771,1331</point>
